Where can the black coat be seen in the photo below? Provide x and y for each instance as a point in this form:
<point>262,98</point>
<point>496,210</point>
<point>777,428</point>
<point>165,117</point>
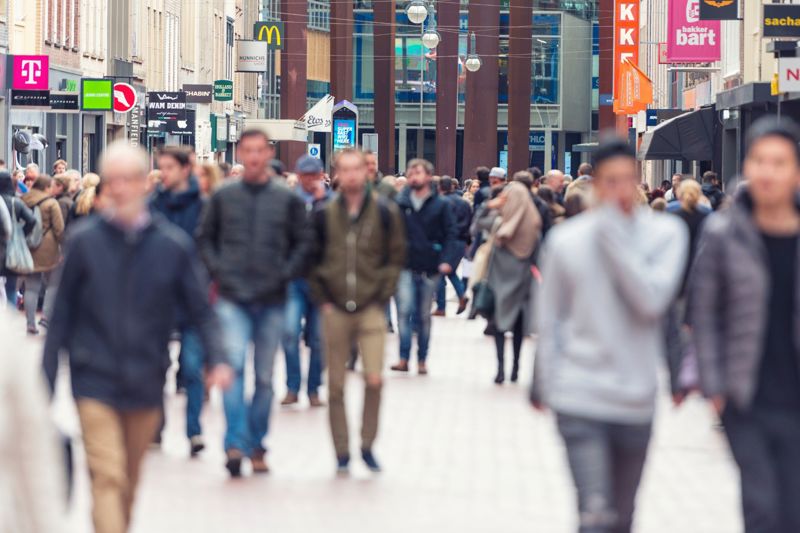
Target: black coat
<point>183,209</point>
<point>254,239</point>
<point>462,214</point>
<point>432,235</point>
<point>115,308</point>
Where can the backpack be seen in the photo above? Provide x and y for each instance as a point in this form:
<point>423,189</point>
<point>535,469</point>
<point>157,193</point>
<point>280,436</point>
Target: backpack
<point>34,238</point>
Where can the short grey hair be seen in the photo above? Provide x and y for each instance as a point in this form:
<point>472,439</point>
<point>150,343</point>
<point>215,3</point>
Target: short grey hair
<point>122,152</point>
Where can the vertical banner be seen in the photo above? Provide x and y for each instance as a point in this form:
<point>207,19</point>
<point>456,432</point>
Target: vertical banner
<point>689,39</point>
<point>626,40</point>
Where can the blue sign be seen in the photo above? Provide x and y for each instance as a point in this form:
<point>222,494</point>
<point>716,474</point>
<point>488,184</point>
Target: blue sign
<point>606,99</point>
<point>344,134</point>
<point>504,160</point>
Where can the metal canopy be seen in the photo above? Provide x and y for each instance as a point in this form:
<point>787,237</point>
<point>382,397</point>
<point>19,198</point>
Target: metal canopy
<point>689,136</point>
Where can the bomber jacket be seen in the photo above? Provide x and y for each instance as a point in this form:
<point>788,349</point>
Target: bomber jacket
<point>431,233</point>
<point>118,297</point>
<point>728,303</point>
<point>358,260</point>
<point>254,239</point>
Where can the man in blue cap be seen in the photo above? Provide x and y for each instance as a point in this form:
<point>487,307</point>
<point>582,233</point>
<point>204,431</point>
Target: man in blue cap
<point>302,316</point>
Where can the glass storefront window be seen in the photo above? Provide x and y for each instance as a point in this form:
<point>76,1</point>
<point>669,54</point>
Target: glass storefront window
<point>363,67</point>
<point>545,70</point>
<point>415,71</point>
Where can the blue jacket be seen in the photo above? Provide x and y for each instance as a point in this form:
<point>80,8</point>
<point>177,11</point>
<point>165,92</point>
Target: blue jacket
<point>432,234</point>
<point>183,209</point>
<point>117,301</point>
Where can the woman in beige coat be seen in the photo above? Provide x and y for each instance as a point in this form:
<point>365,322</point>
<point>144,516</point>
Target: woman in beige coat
<point>47,255</point>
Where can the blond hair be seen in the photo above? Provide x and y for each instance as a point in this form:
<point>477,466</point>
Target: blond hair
<point>689,194</point>
<point>86,200</point>
<point>213,175</point>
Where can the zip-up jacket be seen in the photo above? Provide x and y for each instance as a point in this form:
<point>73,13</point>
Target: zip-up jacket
<point>431,233</point>
<point>358,259</point>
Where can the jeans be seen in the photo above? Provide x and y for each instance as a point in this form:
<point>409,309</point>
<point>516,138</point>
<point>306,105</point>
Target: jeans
<point>441,292</point>
<point>34,285</point>
<point>765,445</point>
<point>298,307</point>
<point>191,361</point>
<point>606,460</point>
<point>414,297</point>
<point>242,324</point>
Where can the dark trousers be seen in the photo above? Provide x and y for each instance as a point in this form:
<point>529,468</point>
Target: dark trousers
<point>766,446</point>
<point>500,345</point>
<point>606,460</point>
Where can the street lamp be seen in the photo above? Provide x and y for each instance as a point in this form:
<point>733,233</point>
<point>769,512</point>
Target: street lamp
<point>416,11</point>
<point>473,62</point>
<point>431,38</point>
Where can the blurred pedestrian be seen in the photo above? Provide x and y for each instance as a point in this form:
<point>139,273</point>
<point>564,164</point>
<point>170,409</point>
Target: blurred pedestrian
<point>556,180</point>
<point>254,239</point>
<point>432,237</point>
<point>113,316</point>
<point>712,190</point>
<point>360,237</point>
<point>18,214</point>
<point>59,167</point>
<point>59,190</point>
<point>601,376</point>
<point>153,180</point>
<point>209,176</point>
<point>484,189</point>
<point>744,308</point>
<point>462,213</point>
<point>672,194</point>
<point>84,202</point>
<point>179,201</point>
<point>517,232</point>
<point>46,253</point>
<point>302,314</point>
<point>555,210</point>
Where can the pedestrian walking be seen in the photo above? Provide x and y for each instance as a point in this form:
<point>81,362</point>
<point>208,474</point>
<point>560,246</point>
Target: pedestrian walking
<point>744,301</point>
<point>177,198</point>
<point>60,191</point>
<point>432,237</point>
<point>361,251</point>
<point>254,239</point>
<point>302,314</point>
<point>113,315</point>
<point>46,252</point>
<point>712,190</point>
<point>462,212</point>
<point>517,230</point>
<point>19,215</point>
<point>622,262</point>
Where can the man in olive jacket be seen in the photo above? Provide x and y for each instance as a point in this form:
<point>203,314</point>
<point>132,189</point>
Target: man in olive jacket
<point>361,251</point>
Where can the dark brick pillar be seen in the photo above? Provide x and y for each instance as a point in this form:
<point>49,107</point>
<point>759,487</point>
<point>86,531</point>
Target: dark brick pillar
<point>519,84</point>
<point>293,73</point>
<point>342,49</point>
<point>384,85</point>
<point>605,18</point>
<point>447,89</point>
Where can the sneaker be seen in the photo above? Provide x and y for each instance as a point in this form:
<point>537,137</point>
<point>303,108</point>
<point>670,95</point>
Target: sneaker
<point>259,461</point>
<point>422,369</point>
<point>438,312</point>
<point>314,401</point>
<point>343,465</point>
<point>290,399</point>
<point>462,305</point>
<point>370,461</point>
<point>197,445</point>
<point>402,366</point>
<point>234,462</point>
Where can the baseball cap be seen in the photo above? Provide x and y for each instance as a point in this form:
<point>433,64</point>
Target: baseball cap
<point>308,165</point>
<point>497,172</point>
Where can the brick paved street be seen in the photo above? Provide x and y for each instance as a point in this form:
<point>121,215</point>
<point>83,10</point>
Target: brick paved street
<point>460,455</point>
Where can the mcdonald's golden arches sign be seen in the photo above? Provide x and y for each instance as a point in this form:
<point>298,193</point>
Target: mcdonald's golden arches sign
<point>271,32</point>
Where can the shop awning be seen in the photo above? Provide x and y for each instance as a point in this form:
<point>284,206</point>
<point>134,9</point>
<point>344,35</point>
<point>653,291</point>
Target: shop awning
<point>689,136</point>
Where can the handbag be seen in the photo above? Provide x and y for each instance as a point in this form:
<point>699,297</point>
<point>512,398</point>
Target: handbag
<point>18,256</point>
<point>483,300</point>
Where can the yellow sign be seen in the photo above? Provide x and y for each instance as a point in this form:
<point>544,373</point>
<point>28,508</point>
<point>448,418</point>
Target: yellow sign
<point>719,3</point>
<point>774,86</point>
<point>271,32</point>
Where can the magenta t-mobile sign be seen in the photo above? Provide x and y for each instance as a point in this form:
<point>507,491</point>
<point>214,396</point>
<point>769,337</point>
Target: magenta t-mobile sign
<point>31,73</point>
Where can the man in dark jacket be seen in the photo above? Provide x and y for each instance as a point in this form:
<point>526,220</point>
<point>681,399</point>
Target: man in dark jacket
<point>485,189</point>
<point>178,199</point>
<point>18,212</point>
<point>126,276</point>
<point>712,191</point>
<point>361,243</point>
<point>744,306</point>
<point>254,239</point>
<point>433,250</point>
<point>462,213</point>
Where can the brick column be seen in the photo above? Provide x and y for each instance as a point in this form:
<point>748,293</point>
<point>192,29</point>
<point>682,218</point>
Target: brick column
<point>447,89</point>
<point>384,85</point>
<point>293,73</point>
<point>519,84</point>
<point>342,49</point>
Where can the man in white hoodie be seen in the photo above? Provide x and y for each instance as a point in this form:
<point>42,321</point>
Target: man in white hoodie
<point>609,278</point>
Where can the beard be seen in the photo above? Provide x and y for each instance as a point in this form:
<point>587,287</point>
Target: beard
<point>416,186</point>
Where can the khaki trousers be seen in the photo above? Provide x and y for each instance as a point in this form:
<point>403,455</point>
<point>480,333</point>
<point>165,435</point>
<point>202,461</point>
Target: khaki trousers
<point>367,327</point>
<point>115,443</point>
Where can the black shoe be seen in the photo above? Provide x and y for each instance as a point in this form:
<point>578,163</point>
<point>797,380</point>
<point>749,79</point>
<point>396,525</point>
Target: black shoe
<point>500,378</point>
<point>490,330</point>
<point>370,461</point>
<point>343,465</point>
<point>197,445</point>
<point>43,322</point>
<point>234,462</point>
<point>514,374</point>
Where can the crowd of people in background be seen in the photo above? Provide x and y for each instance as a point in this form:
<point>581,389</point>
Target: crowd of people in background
<point>612,276</point>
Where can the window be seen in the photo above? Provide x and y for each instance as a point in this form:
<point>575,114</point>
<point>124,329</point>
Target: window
<point>46,24</point>
<point>229,49</point>
<point>63,25</point>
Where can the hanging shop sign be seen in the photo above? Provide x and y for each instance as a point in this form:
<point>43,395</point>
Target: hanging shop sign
<point>689,39</point>
<point>719,9</point>
<point>97,94</point>
<point>182,127</point>
<point>781,20</point>
<point>626,37</point>
<point>30,98</point>
<point>318,118</point>
<point>125,97</point>
<point>60,101</point>
<point>166,106</point>
<point>198,94</point>
<point>251,56</point>
<point>30,73</point>
<point>269,32</point>
<point>789,74</point>
<point>223,90</point>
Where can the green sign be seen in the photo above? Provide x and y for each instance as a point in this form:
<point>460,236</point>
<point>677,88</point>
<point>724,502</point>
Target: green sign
<point>71,86</point>
<point>97,94</point>
<point>223,90</point>
<point>271,32</point>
